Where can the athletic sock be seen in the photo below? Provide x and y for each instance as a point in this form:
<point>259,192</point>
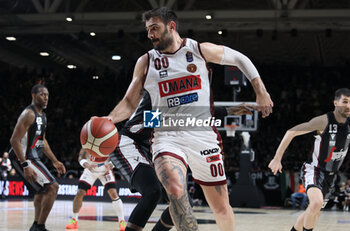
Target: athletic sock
<point>305,229</point>
<point>293,229</point>
<point>160,227</point>
<point>118,207</point>
<point>166,219</point>
<point>75,216</point>
<point>129,229</point>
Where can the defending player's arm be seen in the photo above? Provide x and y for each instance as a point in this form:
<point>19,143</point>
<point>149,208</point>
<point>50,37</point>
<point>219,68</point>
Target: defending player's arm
<point>226,56</point>
<point>83,155</point>
<point>57,164</point>
<point>25,120</point>
<point>318,124</point>
<point>241,109</point>
<point>133,95</point>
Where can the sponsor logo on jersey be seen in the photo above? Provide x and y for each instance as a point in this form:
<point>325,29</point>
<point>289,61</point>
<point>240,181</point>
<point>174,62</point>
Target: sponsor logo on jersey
<point>189,56</point>
<point>191,68</point>
<point>209,151</point>
<point>339,155</point>
<point>213,158</point>
<point>39,144</point>
<point>151,118</point>
<point>183,99</point>
<point>336,155</point>
<point>179,85</point>
<point>163,74</point>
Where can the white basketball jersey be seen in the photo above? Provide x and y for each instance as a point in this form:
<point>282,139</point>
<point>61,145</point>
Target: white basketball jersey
<point>179,83</point>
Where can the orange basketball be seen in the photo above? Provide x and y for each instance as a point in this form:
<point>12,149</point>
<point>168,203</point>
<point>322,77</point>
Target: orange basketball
<point>99,137</point>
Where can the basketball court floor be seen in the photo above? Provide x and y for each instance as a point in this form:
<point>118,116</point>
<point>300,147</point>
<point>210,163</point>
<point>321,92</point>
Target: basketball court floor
<point>18,215</point>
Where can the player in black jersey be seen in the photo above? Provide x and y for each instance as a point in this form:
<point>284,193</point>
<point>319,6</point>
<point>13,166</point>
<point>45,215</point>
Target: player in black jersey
<point>330,149</point>
<point>29,144</point>
<point>133,160</point>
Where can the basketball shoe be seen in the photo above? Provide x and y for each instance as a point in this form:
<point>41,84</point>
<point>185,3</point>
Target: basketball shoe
<point>73,224</point>
<point>122,225</point>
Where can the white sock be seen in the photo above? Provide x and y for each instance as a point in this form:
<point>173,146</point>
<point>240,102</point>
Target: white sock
<point>75,216</point>
<point>118,207</point>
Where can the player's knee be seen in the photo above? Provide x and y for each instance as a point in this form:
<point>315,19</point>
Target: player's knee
<point>175,190</point>
<point>53,188</point>
<point>153,193</point>
<point>316,205</point>
<point>223,210</point>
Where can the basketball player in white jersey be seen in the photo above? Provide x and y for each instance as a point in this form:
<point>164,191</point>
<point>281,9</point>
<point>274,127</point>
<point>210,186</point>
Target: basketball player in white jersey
<point>96,168</point>
<point>330,149</point>
<point>175,75</point>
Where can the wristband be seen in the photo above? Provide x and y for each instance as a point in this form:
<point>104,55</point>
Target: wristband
<point>82,162</point>
<point>25,164</point>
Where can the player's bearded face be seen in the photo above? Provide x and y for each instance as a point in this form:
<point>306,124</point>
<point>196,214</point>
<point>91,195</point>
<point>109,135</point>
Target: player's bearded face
<point>164,41</point>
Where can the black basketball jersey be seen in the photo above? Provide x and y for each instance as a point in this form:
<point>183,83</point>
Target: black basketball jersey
<point>331,147</point>
<point>33,141</point>
<point>134,129</point>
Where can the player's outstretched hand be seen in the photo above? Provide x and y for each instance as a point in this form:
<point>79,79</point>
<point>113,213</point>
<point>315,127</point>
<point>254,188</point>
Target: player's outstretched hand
<point>241,109</point>
<point>275,166</point>
<point>29,174</point>
<point>265,104</point>
<point>60,167</point>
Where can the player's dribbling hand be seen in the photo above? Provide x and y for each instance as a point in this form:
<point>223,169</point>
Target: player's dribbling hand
<point>29,174</point>
<point>275,166</point>
<point>107,117</point>
<point>60,167</point>
<point>265,104</point>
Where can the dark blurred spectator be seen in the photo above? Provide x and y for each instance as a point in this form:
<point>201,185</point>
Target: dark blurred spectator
<point>347,196</point>
<point>5,168</point>
<point>301,195</point>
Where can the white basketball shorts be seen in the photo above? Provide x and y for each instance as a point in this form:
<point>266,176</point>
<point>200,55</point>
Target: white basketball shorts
<point>200,150</point>
<point>89,177</point>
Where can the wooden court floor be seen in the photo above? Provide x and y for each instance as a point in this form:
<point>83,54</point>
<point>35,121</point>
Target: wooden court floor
<point>18,215</point>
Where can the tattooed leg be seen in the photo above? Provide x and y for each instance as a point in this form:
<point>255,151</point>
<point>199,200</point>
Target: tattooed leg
<point>172,174</point>
<point>217,198</point>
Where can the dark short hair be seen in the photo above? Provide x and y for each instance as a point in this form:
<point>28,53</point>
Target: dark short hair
<point>340,92</point>
<point>36,87</point>
<point>164,13</point>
